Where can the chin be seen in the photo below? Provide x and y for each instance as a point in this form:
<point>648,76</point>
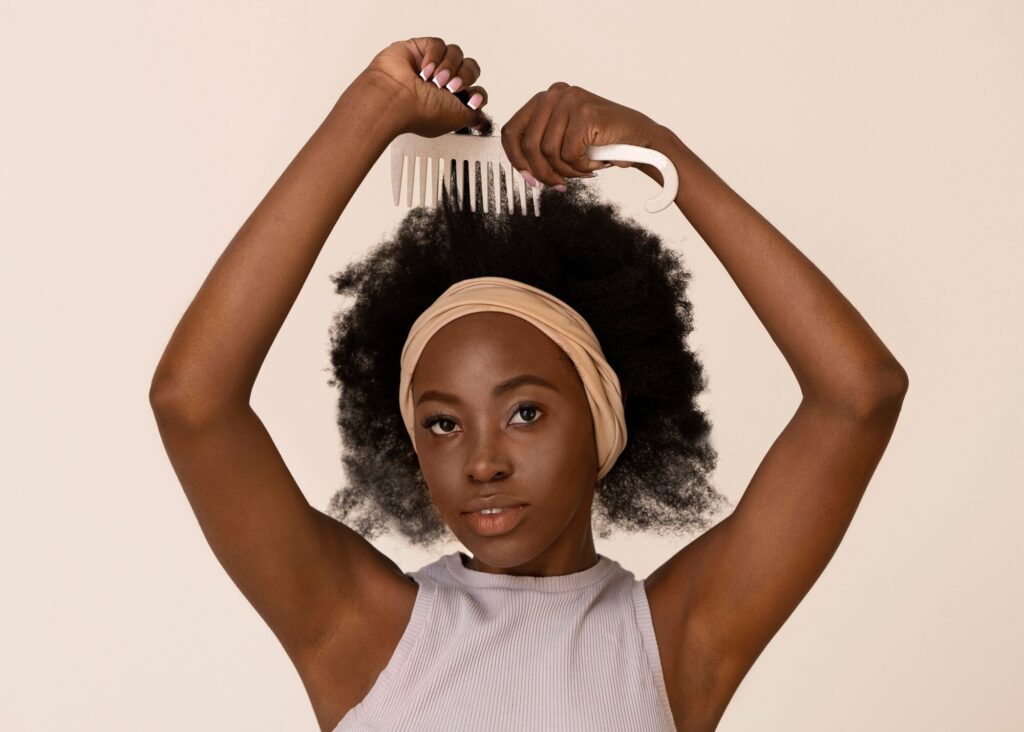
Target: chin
<point>501,554</point>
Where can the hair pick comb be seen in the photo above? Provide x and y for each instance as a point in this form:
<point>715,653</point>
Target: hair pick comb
<point>425,153</point>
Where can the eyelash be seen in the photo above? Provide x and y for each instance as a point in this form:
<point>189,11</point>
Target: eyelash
<point>435,418</point>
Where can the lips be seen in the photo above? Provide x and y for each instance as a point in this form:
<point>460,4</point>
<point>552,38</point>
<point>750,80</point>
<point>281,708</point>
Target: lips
<point>481,505</point>
<point>498,523</point>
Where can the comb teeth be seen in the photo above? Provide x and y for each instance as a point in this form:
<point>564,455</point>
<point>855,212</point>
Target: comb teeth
<point>429,157</point>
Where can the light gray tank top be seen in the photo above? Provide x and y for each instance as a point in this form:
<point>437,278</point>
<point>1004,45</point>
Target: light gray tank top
<point>501,652</point>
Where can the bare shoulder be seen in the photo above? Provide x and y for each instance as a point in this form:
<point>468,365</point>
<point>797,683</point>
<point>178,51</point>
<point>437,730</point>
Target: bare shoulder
<point>692,671</point>
<point>719,600</point>
<point>342,669</point>
<point>334,601</point>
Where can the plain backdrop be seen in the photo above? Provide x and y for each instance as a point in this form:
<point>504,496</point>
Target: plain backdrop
<point>884,139</point>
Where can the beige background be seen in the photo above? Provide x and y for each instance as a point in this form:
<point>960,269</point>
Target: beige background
<point>882,138</point>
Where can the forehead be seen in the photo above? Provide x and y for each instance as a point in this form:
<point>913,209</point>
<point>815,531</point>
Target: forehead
<point>490,346</point>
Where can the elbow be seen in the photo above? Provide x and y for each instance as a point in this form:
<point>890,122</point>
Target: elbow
<point>875,394</point>
<point>167,404</point>
<point>164,393</point>
<point>900,380</point>
<point>170,402</point>
<point>884,393</point>
<point>176,402</point>
<point>159,394</point>
<point>891,382</point>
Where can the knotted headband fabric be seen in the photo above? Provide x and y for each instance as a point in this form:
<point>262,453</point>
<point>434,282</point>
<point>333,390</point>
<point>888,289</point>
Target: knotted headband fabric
<point>556,320</point>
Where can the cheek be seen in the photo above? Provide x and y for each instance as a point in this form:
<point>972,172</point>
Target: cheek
<point>438,467</point>
<point>441,476</point>
<point>569,448</point>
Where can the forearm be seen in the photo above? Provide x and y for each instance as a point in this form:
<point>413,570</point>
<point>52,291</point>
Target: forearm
<point>834,354</point>
<point>218,347</point>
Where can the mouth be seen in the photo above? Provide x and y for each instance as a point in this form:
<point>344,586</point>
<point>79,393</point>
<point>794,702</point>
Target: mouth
<point>499,522</point>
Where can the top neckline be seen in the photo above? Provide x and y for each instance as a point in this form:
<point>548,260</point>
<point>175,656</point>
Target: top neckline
<point>558,583</point>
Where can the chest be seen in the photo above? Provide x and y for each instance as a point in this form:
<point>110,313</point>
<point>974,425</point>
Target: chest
<point>346,672</point>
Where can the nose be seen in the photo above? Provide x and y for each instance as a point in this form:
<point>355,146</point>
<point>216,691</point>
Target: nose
<point>487,460</point>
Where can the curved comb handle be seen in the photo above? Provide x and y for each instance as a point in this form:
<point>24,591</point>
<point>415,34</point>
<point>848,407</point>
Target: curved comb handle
<point>637,154</point>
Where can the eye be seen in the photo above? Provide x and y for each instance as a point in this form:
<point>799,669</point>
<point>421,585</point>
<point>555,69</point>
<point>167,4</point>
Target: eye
<point>429,423</point>
<point>529,408</point>
<point>448,425</point>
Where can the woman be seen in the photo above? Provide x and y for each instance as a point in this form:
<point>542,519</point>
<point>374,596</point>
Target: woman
<point>375,647</point>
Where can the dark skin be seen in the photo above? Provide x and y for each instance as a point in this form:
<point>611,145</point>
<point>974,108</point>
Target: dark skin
<point>543,455</point>
<point>335,602</point>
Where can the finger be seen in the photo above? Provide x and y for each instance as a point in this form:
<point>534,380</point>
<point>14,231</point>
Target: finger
<point>474,97</point>
<point>465,75</point>
<point>555,140</point>
<point>512,133</point>
<point>577,140</point>
<point>432,50</point>
<point>448,65</point>
<point>534,134</point>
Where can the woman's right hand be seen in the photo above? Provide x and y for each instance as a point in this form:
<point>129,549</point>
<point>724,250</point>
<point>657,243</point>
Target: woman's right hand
<point>422,106</point>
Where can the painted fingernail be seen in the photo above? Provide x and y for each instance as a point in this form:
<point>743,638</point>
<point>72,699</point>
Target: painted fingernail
<point>530,180</point>
<point>474,101</point>
<point>428,70</point>
<point>454,85</point>
<point>442,77</point>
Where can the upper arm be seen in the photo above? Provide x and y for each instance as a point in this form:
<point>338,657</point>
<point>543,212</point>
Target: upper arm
<point>302,571</point>
<point>737,583</point>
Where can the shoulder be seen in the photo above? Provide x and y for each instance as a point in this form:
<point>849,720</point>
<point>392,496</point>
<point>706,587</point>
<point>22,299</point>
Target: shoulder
<point>694,673</point>
<point>340,672</point>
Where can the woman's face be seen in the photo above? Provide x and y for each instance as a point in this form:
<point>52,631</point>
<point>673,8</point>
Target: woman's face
<point>530,444</point>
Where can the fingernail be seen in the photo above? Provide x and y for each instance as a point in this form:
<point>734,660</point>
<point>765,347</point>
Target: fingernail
<point>454,85</point>
<point>474,101</point>
<point>560,188</point>
<point>428,70</point>
<point>442,77</point>
<point>530,180</point>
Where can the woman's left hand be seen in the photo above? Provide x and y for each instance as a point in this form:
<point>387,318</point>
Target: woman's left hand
<point>549,135</point>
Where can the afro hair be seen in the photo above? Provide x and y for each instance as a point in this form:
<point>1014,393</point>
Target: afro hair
<point>618,276</point>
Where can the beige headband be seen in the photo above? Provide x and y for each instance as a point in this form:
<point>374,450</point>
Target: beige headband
<point>556,320</point>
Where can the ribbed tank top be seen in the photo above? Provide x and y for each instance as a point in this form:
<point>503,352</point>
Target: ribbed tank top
<point>496,652</point>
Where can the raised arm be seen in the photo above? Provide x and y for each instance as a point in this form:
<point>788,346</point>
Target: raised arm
<point>310,577</point>
<point>720,599</point>
<point>736,584</point>
<point>215,353</point>
<point>834,354</point>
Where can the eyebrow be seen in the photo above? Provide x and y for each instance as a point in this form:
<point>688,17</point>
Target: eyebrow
<point>496,392</point>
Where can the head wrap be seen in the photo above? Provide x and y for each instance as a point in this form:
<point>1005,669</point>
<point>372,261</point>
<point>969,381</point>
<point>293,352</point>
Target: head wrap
<point>556,320</point>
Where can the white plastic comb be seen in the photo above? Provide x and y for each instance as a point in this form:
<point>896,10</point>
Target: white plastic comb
<point>429,152</point>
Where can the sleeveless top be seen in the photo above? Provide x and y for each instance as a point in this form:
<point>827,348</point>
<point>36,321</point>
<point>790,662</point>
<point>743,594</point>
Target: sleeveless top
<point>498,652</point>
